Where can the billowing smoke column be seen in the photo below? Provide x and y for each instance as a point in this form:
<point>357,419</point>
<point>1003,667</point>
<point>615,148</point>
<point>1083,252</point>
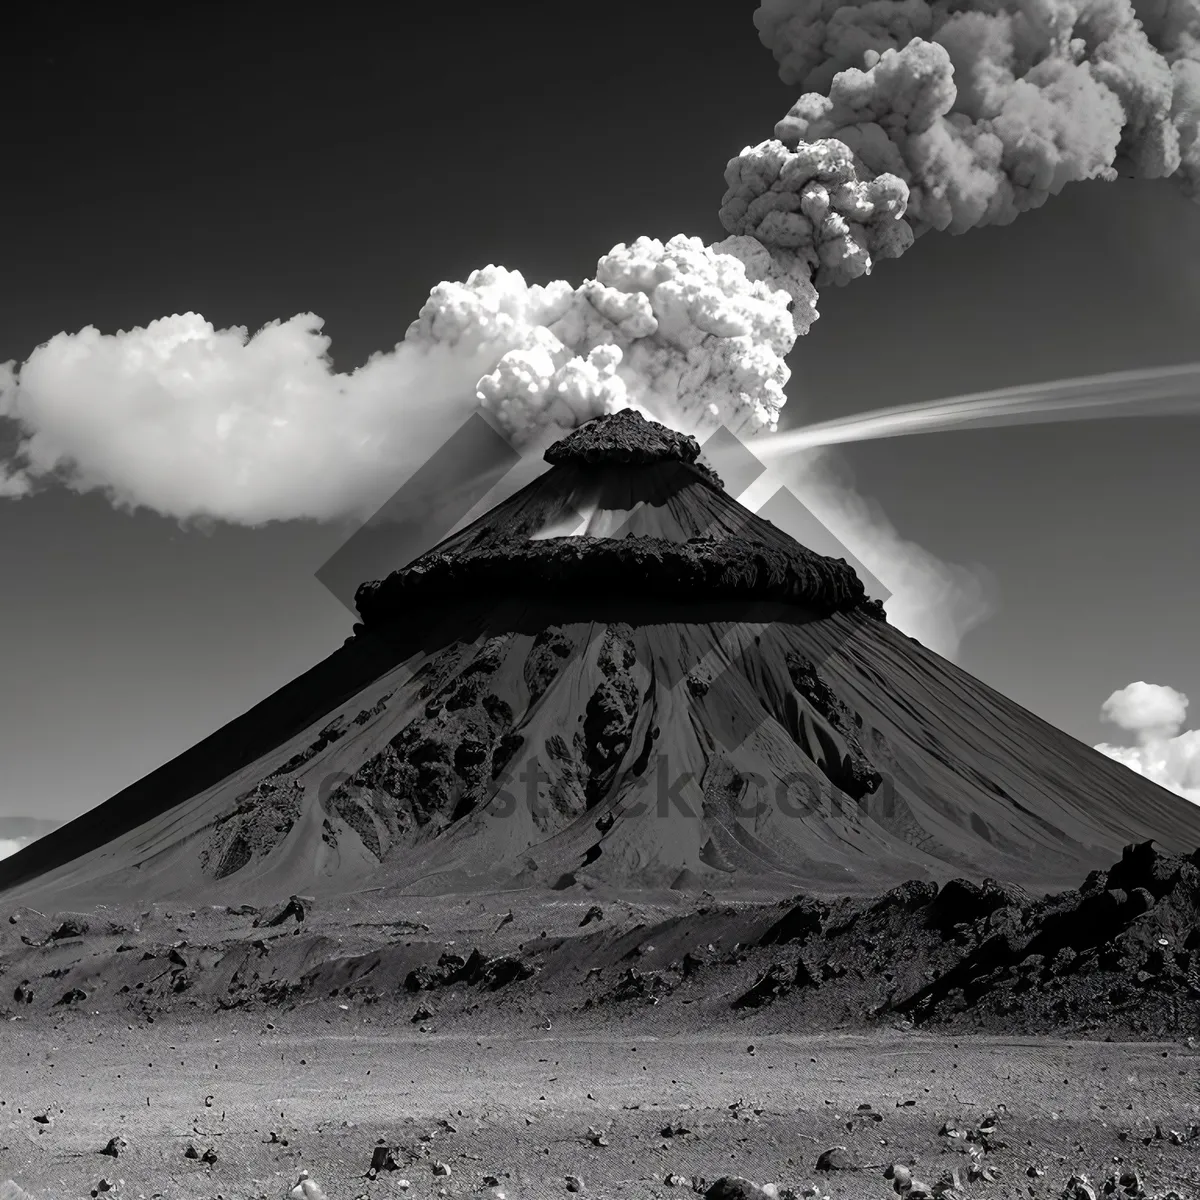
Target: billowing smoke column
<point>978,111</point>
<point>694,336</point>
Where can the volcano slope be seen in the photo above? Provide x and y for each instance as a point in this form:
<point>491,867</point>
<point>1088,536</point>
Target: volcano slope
<point>622,678</point>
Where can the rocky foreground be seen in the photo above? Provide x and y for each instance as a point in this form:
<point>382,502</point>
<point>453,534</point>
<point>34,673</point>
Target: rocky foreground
<point>977,1041</point>
<point>235,1107</point>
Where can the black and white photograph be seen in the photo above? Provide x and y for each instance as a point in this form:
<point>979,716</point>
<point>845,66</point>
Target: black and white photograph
<point>600,601</point>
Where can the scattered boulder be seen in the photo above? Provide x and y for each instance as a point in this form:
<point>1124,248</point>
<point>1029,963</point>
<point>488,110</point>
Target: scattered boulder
<point>383,1158</point>
<point>836,1158</point>
<point>1144,867</point>
<point>595,913</point>
<point>500,972</point>
<point>1125,1185</point>
<point>70,928</point>
<point>963,901</point>
<point>307,1188</point>
<point>115,1146</point>
<point>736,1187</point>
<point>297,907</point>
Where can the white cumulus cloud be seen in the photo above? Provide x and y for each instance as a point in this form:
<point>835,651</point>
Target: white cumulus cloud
<point>196,422</point>
<point>1154,715</point>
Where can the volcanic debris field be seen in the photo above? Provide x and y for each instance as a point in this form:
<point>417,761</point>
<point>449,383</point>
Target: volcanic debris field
<point>986,1042</point>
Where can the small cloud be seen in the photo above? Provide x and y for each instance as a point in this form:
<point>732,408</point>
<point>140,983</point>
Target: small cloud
<point>1154,715</point>
<point>1146,709</point>
<point>9,846</point>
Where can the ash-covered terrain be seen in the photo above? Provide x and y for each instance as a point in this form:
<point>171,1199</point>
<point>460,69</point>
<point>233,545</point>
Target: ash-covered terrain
<point>972,1040</point>
<point>1117,957</point>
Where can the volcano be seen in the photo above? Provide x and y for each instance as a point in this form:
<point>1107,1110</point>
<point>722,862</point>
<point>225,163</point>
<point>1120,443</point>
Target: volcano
<point>618,678</point>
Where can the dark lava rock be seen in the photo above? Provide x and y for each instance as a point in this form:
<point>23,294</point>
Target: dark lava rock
<point>419,979</point>
<point>797,925</point>
<point>651,567</point>
<point>500,972</point>
<point>735,1187</point>
<point>1142,866</point>
<point>73,996</point>
<point>771,984</point>
<point>295,907</point>
<point>383,1158</point>
<point>624,437</point>
<point>907,897</point>
<point>855,774</point>
<point>1102,958</point>
<point>962,900</point>
<point>70,928</point>
<point>804,978</point>
<point>477,969</point>
<point>595,913</point>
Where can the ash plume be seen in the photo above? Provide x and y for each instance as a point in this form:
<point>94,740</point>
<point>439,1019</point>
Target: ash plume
<point>965,114</point>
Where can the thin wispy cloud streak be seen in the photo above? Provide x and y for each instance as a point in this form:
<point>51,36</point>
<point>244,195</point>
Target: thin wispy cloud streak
<point>1155,392</point>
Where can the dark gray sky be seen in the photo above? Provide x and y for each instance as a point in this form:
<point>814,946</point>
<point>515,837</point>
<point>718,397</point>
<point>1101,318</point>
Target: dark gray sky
<point>249,173</point>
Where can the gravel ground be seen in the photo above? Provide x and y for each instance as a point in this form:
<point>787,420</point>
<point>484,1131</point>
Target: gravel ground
<point>319,1090</point>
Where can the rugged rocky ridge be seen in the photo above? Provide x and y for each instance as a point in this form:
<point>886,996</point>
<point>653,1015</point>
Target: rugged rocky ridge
<point>1117,956</point>
<point>647,567</point>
